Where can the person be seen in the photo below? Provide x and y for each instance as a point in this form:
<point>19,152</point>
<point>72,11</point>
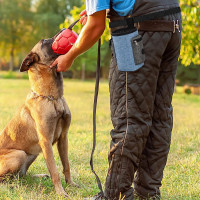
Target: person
<point>140,96</point>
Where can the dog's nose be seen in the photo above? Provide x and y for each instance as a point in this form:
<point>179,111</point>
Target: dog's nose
<point>48,41</point>
<point>45,41</point>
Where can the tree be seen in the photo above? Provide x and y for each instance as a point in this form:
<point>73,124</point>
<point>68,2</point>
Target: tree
<point>49,14</point>
<point>190,50</point>
<point>15,22</point>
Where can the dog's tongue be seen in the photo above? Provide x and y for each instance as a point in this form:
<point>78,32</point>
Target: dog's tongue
<point>64,41</point>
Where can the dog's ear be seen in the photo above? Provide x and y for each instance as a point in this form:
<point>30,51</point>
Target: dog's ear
<point>28,61</point>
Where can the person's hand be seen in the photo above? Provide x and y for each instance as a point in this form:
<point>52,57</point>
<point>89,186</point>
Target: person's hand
<point>83,19</point>
<point>63,63</point>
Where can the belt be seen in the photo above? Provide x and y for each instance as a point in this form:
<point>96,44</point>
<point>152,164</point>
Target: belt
<point>155,26</point>
<point>159,26</point>
<point>148,22</point>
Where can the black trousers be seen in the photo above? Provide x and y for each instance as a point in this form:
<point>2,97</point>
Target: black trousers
<point>141,114</point>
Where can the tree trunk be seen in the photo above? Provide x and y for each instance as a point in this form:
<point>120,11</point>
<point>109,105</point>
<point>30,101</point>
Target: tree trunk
<point>83,71</point>
<point>11,65</point>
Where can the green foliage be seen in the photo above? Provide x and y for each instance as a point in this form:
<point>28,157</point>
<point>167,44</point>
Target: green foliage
<point>189,74</point>
<point>188,91</point>
<point>190,50</point>
<point>49,14</point>
<point>15,22</point>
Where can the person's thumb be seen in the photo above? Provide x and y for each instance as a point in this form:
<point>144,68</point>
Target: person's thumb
<point>84,12</point>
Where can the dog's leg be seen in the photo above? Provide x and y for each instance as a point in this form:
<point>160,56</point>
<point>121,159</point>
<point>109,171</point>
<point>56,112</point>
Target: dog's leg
<point>11,161</point>
<point>45,134</point>
<point>46,126</point>
<point>62,146</point>
<point>30,159</point>
<point>51,165</point>
<point>63,152</point>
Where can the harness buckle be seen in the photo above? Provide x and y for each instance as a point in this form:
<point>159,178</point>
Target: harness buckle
<point>176,26</point>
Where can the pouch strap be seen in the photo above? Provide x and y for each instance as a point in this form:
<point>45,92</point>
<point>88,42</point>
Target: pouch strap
<point>152,16</point>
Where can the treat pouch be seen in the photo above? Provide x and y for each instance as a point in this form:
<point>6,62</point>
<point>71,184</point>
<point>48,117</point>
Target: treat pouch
<point>128,50</point>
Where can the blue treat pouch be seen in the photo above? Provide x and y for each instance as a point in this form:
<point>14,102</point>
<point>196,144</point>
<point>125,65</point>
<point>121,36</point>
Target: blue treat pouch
<point>129,51</point>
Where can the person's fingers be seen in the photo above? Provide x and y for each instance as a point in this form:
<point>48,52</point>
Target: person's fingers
<point>84,21</point>
<point>54,64</point>
<point>59,69</point>
<point>84,12</point>
<point>81,20</point>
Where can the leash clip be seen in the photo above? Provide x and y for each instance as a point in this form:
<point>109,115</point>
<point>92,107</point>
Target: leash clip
<point>176,26</point>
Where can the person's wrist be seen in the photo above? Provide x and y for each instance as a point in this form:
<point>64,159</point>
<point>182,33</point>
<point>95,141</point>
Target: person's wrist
<point>73,53</point>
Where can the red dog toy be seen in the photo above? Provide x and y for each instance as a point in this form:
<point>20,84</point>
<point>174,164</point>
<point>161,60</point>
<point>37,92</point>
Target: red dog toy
<point>65,40</point>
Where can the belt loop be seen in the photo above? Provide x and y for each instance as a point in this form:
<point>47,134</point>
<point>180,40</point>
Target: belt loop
<point>176,26</point>
<point>137,25</point>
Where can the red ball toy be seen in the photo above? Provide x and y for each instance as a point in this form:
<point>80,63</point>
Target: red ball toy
<point>64,41</point>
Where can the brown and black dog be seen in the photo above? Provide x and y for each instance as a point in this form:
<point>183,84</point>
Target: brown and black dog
<point>43,120</point>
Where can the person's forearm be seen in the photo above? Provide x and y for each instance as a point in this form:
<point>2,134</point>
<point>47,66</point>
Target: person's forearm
<point>90,33</point>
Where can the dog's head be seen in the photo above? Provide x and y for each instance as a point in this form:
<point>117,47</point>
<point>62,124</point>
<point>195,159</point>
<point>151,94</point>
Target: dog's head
<point>41,53</point>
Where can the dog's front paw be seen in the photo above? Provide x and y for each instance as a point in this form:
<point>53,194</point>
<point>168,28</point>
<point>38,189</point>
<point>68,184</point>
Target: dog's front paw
<point>61,192</point>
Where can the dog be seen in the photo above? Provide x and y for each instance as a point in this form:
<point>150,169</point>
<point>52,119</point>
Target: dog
<point>43,120</point>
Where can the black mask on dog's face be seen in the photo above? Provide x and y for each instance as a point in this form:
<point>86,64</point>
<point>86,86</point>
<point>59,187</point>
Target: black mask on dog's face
<point>46,47</point>
<point>41,53</point>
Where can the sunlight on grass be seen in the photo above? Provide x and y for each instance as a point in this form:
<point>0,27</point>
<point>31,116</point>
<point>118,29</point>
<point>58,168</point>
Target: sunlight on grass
<point>181,176</point>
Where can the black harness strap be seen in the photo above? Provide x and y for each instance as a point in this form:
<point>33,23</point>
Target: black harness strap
<point>131,20</point>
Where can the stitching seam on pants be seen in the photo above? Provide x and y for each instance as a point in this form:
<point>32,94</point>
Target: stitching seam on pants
<point>124,140</point>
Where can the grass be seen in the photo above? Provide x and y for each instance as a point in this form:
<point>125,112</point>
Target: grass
<point>181,176</point>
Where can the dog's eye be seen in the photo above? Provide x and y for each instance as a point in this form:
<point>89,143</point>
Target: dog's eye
<point>44,41</point>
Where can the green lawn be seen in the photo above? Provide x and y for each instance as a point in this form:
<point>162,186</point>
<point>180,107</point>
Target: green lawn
<point>182,174</point>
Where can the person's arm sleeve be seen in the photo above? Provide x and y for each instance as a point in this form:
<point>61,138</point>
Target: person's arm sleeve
<point>93,6</point>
